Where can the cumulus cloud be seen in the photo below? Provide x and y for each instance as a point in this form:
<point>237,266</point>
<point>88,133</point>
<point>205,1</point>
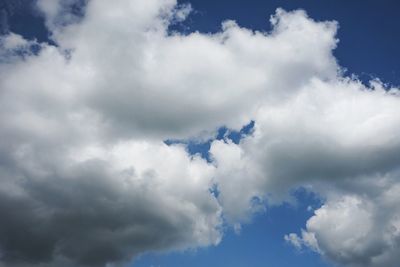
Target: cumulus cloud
<point>86,179</point>
<point>356,230</point>
<point>336,138</point>
<point>175,86</point>
<point>96,205</point>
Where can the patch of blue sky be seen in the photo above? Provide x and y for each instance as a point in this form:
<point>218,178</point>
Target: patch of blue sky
<point>202,148</point>
<point>258,244</point>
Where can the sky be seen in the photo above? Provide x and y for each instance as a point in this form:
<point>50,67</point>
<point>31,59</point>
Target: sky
<point>199,133</point>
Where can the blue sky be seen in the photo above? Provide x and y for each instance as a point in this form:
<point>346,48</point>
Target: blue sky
<point>259,243</point>
<point>368,35</point>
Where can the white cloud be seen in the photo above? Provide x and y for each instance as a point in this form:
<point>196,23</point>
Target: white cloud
<point>177,86</point>
<point>13,41</point>
<point>82,158</point>
<point>338,139</point>
<point>328,132</point>
<point>356,230</point>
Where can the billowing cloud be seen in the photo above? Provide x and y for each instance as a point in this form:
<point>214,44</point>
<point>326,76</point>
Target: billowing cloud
<point>327,133</point>
<point>170,85</point>
<point>336,138</point>
<point>356,230</point>
<point>86,179</point>
<point>96,205</point>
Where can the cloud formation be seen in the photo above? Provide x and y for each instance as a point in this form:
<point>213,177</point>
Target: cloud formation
<point>335,138</point>
<point>86,179</point>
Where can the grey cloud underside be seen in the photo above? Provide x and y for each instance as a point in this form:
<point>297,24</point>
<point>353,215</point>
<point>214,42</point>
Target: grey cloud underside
<point>93,214</point>
<point>85,217</point>
<point>86,180</point>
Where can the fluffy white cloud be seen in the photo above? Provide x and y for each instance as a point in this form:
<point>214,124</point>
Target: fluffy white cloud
<point>141,80</point>
<point>337,138</point>
<point>356,230</point>
<point>86,175</point>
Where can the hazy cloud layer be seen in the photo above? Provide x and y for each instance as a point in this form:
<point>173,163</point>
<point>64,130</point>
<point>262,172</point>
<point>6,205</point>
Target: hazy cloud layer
<point>85,178</point>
